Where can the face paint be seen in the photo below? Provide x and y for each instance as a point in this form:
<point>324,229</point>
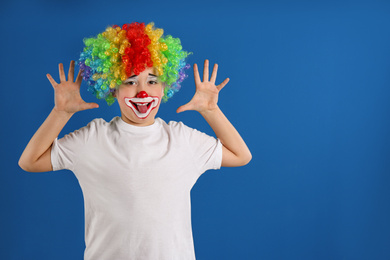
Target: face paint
<point>142,106</point>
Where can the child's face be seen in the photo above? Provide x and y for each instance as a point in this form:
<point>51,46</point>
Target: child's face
<point>139,98</point>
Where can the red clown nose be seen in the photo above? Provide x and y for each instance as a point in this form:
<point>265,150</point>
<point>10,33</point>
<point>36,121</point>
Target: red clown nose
<point>142,94</point>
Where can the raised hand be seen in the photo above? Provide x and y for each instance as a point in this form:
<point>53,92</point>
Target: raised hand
<point>206,94</point>
<point>67,92</point>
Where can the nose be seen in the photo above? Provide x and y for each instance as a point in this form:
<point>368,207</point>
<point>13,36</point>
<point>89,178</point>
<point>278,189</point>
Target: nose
<point>142,94</point>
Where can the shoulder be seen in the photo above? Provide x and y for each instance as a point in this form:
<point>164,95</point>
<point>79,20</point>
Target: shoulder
<point>174,126</point>
<point>94,126</point>
<point>100,122</point>
<point>181,129</point>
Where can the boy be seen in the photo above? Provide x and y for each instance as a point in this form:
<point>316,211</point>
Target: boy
<point>136,172</point>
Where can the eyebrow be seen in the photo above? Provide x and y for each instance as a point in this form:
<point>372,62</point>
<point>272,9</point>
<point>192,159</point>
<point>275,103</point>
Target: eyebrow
<point>137,76</point>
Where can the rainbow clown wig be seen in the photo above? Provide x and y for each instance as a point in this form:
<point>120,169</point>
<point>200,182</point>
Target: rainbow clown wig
<point>112,56</point>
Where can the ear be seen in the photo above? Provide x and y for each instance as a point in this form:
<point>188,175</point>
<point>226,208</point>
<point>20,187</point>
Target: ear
<point>114,93</point>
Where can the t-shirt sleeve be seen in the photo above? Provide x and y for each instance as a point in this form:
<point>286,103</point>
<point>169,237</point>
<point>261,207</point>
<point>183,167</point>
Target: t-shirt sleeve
<point>65,151</point>
<point>206,151</point>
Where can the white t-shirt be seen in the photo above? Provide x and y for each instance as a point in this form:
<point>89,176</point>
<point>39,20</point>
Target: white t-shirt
<point>136,183</point>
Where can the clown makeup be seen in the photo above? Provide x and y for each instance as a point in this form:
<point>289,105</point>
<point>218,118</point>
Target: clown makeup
<point>139,97</point>
<point>142,105</point>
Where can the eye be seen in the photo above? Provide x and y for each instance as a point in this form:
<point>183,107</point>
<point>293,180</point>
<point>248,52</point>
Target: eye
<point>130,82</point>
<point>152,82</point>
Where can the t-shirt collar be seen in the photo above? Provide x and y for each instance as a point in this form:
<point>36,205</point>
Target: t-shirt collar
<point>137,129</point>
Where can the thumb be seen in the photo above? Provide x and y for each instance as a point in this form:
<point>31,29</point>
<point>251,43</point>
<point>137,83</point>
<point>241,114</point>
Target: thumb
<point>86,106</point>
<point>52,81</point>
<point>184,108</point>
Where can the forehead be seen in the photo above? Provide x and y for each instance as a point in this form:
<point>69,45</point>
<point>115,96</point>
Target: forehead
<point>146,72</point>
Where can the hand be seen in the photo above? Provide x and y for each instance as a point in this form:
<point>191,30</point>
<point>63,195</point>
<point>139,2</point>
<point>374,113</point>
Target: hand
<point>206,94</point>
<point>67,93</point>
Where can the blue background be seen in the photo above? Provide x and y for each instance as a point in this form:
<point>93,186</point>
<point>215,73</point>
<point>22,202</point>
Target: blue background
<point>309,93</point>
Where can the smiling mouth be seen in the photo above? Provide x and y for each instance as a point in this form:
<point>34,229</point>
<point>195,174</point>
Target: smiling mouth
<point>142,106</point>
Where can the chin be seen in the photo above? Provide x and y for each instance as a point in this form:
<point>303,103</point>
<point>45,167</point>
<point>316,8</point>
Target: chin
<point>131,118</point>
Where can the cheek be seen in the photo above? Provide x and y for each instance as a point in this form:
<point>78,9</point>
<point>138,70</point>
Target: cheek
<point>156,92</point>
<point>161,92</point>
<point>124,92</point>
<point>120,97</point>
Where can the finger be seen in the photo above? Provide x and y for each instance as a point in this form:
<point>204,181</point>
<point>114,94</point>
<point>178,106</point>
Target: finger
<point>214,74</point>
<point>86,106</point>
<point>61,72</point>
<point>79,78</point>
<point>206,71</point>
<point>52,81</point>
<point>220,86</point>
<point>71,71</point>
<point>196,74</point>
<point>184,108</point>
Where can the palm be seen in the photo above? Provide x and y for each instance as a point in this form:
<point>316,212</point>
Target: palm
<point>67,97</point>
<point>67,93</point>
<point>206,94</point>
<point>205,98</point>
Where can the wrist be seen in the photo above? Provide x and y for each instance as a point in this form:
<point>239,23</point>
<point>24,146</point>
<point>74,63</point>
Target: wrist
<point>62,113</point>
<point>210,112</point>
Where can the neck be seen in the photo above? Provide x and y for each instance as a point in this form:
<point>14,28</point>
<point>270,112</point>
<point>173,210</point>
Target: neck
<point>143,122</point>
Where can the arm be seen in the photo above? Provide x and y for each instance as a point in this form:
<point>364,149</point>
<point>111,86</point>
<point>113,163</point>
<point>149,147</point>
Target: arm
<point>234,151</point>
<point>36,155</point>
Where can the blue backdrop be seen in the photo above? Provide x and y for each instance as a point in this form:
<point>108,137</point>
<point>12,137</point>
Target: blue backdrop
<point>309,93</point>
